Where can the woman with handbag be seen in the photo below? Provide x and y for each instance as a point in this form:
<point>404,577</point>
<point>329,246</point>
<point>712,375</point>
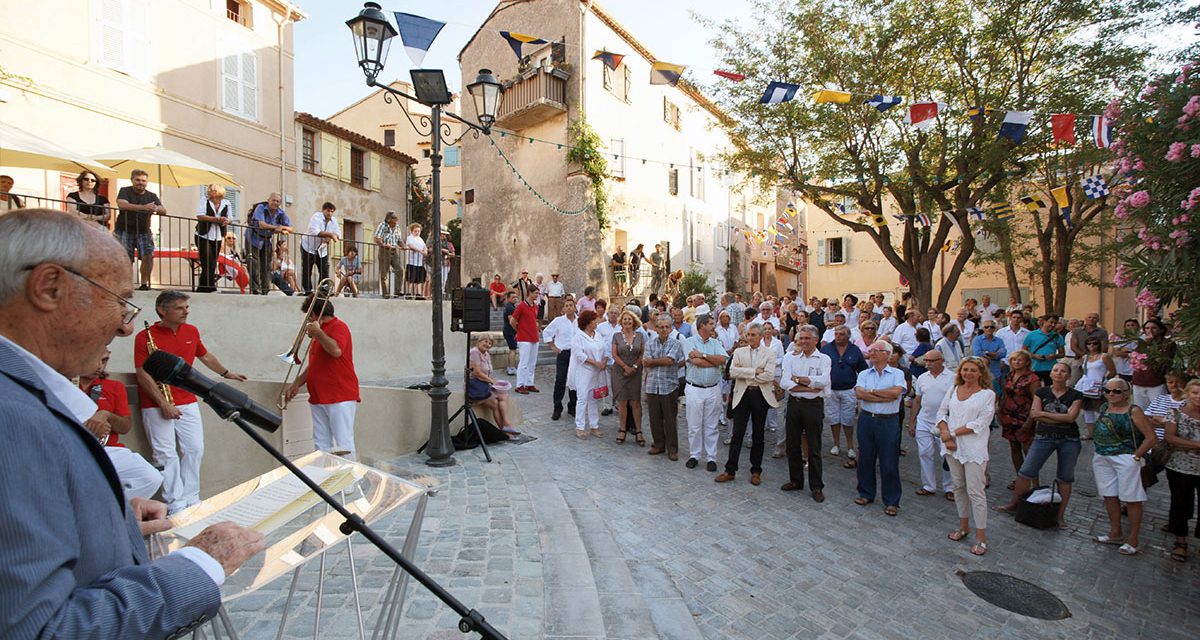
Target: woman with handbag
<point>1183,468</point>
<point>479,385</point>
<point>1098,366</point>
<point>964,423</point>
<point>1117,464</point>
<point>589,364</point>
<point>1055,410</point>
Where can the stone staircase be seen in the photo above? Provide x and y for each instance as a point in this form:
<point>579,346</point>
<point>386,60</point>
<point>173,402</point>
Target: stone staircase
<point>546,355</point>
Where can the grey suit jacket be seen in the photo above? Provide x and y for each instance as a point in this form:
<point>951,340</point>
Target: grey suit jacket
<point>72,561</point>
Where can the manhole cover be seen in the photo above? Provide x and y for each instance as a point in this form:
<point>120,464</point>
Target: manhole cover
<point>1016,595</point>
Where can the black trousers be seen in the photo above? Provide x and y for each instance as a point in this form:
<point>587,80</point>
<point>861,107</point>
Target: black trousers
<point>561,363</point>
<point>752,408</point>
<point>664,418</point>
<point>207,250</point>
<point>260,268</point>
<point>307,260</point>
<point>804,418</point>
<point>1185,496</point>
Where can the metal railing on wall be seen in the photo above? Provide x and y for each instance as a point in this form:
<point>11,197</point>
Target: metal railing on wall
<point>177,260</point>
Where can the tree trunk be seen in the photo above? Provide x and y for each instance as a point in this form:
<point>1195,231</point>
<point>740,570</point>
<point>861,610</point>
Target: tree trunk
<point>1010,268</point>
<point>1062,265</point>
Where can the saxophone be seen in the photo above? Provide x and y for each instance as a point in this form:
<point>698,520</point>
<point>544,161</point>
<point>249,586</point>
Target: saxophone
<point>165,390</point>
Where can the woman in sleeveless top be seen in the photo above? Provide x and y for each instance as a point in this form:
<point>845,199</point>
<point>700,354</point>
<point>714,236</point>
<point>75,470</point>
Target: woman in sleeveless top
<point>1183,468</point>
<point>627,348</point>
<point>1097,367</point>
<point>1117,464</point>
<point>89,204</point>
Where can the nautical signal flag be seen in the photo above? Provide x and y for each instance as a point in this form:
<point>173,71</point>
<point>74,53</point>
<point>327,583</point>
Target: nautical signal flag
<point>1033,203</point>
<point>922,115</point>
<point>1014,125</point>
<point>517,40</point>
<point>1002,211</point>
<point>975,212</point>
<point>790,209</point>
<point>666,73</point>
<point>883,103</point>
<point>975,112</point>
<point>1061,197</point>
<point>779,92</point>
<point>923,218</point>
<point>1102,131</point>
<point>879,220</point>
<point>832,96</point>
<point>1095,187</point>
<point>1062,126</point>
<point>417,34</point>
<point>610,59</point>
<point>729,75</point>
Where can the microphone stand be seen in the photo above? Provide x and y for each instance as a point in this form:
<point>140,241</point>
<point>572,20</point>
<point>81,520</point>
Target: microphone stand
<point>471,620</point>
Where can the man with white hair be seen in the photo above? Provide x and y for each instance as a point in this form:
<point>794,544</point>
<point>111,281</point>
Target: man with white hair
<point>878,391</point>
<point>705,361</point>
<point>766,311</point>
<point>841,404</point>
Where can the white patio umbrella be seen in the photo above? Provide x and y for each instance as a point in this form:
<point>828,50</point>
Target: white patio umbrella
<point>173,169</point>
<point>19,148</point>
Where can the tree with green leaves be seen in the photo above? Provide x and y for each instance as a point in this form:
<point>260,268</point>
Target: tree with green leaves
<point>861,166</point>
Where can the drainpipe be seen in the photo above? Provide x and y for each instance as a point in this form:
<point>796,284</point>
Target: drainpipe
<point>280,25</point>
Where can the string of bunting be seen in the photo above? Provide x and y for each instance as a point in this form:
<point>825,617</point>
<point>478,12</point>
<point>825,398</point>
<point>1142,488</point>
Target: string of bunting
<point>529,187</point>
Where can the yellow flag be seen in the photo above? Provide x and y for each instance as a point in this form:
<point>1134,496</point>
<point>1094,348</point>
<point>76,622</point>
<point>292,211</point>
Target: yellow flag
<point>1060,196</point>
<point>829,95</point>
<point>879,220</point>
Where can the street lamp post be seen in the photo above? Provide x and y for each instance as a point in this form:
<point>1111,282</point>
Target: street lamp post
<point>372,38</point>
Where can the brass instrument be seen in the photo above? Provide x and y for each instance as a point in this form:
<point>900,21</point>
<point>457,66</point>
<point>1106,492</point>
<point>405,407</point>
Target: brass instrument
<point>164,389</point>
<point>299,351</point>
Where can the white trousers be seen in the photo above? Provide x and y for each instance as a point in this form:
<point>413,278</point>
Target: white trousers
<point>969,496</point>
<point>527,352</point>
<point>587,411</point>
<point>333,426</point>
<point>1143,396</point>
<point>138,477</point>
<point>703,409</point>
<point>180,471</point>
<point>930,452</point>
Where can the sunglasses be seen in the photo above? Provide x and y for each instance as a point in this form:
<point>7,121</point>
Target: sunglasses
<point>1109,392</point>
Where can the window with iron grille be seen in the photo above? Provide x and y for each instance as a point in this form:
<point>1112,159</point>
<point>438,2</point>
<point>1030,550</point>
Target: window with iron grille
<point>309,148</point>
<point>358,168</point>
<point>673,181</point>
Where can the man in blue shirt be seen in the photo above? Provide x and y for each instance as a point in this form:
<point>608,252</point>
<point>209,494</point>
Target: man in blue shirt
<point>841,405</point>
<point>681,326</point>
<point>991,348</point>
<point>267,218</point>
<point>878,390</point>
<point>1045,347</point>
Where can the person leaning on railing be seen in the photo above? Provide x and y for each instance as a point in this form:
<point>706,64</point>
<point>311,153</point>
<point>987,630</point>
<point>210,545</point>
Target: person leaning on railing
<point>267,218</point>
<point>87,203</point>
<point>210,225</point>
<point>389,236</point>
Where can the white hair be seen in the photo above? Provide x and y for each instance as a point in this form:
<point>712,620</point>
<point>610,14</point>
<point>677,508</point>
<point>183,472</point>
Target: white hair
<point>881,345</point>
<point>810,330</point>
<point>36,236</point>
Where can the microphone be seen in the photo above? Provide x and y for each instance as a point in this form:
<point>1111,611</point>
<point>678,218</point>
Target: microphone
<point>169,368</point>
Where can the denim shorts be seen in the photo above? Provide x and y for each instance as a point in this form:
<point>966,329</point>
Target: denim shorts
<point>143,243</point>
<point>1040,450</point>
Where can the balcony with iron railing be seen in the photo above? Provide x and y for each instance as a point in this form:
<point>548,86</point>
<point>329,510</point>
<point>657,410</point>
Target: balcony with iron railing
<point>534,96</point>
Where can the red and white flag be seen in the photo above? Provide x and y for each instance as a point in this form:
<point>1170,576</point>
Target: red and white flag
<point>923,115</point>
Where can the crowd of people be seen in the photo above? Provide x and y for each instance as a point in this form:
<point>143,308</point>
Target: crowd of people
<point>873,371</point>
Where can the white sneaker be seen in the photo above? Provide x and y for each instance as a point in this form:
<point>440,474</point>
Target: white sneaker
<point>850,454</point>
<point>835,451</point>
<point>510,371</point>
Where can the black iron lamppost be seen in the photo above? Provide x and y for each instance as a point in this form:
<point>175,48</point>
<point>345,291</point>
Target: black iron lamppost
<point>372,38</point>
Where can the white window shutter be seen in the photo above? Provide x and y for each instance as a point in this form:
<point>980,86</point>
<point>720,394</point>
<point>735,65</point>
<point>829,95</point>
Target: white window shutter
<point>343,160</point>
<point>231,84</point>
<point>249,85</point>
<point>820,250</point>
<point>329,156</point>
<point>111,49</point>
<point>373,161</point>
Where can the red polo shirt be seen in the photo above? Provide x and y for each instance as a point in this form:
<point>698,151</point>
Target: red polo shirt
<point>185,343</point>
<point>331,380</point>
<point>109,396</point>
<point>526,316</point>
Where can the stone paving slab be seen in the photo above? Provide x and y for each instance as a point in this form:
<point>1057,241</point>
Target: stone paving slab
<point>563,538</point>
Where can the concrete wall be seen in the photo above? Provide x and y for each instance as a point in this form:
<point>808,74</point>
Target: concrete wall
<point>171,96</point>
<point>388,423</point>
<point>391,337</point>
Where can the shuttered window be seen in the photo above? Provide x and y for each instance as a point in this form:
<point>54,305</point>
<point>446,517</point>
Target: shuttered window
<point>239,85</point>
<point>122,36</point>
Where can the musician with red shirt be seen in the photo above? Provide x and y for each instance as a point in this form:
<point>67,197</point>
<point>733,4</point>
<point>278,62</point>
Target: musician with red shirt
<point>332,384</point>
<point>176,420</point>
<point>138,477</point>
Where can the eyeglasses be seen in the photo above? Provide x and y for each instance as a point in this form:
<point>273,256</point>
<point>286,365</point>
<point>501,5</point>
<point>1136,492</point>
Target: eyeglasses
<point>131,310</point>
<point>1109,392</point>
<point>88,180</point>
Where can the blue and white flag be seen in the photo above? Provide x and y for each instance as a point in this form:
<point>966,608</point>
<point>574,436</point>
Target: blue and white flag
<point>883,103</point>
<point>1095,187</point>
<point>417,34</point>
<point>1066,215</point>
<point>975,212</point>
<point>1014,125</point>
<point>779,92</point>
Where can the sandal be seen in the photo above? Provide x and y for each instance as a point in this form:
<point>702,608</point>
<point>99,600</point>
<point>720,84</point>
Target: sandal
<point>1110,540</point>
<point>1179,552</point>
<point>1004,508</point>
<point>950,496</point>
<point>862,502</point>
<point>979,548</point>
<point>924,492</point>
<point>597,433</point>
<point>637,435</point>
<point>621,437</point>
<point>958,534</point>
<point>891,511</point>
<point>850,464</point>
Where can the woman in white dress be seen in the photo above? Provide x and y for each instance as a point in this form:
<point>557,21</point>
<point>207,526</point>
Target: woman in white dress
<point>964,421</point>
<point>587,374</point>
<point>1097,367</point>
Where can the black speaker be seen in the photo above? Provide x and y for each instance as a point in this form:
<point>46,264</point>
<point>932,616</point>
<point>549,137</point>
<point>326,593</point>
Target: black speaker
<point>469,310</point>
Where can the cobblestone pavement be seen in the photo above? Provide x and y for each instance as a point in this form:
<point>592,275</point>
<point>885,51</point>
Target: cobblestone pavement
<point>562,538</point>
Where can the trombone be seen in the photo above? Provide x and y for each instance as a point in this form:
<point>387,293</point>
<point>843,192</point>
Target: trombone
<point>299,351</point>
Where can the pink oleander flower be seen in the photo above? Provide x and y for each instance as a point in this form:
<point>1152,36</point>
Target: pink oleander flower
<point>1113,110</point>
<point>1138,165</point>
<point>1121,212</point>
<point>1139,199</point>
<point>1195,151</point>
<point>1122,278</point>
<point>1192,108</point>
<point>1138,360</point>
<point>1146,300</point>
<point>1176,152</point>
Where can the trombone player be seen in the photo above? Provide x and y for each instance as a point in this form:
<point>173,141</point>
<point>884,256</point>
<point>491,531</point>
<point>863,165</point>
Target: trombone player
<point>171,414</point>
<point>328,375</point>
